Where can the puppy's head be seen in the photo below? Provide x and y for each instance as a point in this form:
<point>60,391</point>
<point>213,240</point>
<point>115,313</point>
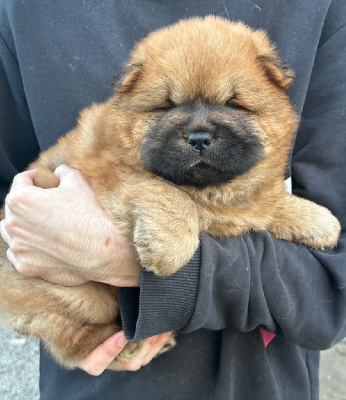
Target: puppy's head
<point>207,104</point>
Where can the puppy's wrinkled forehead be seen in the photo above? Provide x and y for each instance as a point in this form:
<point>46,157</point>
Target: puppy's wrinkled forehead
<point>195,59</point>
<point>207,60</point>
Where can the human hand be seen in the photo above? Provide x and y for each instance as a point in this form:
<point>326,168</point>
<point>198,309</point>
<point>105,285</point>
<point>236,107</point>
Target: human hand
<point>63,236</point>
<point>100,358</point>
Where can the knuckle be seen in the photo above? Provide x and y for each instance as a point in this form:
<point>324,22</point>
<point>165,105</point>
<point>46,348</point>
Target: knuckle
<point>11,200</point>
<point>11,225</point>
<point>15,246</point>
<point>17,177</point>
<point>16,199</point>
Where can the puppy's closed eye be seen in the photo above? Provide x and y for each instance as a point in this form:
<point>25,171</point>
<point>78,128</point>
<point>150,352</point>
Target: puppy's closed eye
<point>235,104</point>
<point>168,104</point>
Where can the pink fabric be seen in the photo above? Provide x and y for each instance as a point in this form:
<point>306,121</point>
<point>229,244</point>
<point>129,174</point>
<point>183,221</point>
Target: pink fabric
<point>267,337</point>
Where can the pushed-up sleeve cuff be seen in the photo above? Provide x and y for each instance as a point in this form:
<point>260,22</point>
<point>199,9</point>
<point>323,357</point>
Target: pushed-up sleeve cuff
<point>161,304</point>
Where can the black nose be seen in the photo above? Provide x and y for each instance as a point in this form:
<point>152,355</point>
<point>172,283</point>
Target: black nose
<point>199,141</point>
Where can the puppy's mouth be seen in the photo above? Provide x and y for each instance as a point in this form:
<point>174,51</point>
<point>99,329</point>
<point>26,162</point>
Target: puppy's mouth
<point>219,164</point>
<point>202,174</point>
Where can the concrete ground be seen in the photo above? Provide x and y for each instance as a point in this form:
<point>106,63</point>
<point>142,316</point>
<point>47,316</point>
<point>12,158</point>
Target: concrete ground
<point>19,363</point>
<point>333,373</point>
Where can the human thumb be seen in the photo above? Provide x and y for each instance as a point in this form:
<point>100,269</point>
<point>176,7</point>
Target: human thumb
<point>68,175</point>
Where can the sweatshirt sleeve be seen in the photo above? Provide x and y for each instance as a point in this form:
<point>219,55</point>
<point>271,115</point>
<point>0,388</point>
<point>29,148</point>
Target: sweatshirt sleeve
<point>255,280</point>
<point>18,144</point>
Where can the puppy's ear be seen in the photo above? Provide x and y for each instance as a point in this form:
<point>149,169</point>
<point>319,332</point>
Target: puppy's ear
<point>280,74</point>
<point>129,78</point>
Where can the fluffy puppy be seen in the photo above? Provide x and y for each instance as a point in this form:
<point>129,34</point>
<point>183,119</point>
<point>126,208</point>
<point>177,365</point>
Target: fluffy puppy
<point>195,140</point>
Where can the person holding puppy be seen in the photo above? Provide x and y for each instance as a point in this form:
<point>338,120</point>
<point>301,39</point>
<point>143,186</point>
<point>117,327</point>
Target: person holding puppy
<point>230,288</point>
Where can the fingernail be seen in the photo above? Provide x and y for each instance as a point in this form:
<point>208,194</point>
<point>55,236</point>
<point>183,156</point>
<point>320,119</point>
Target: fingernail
<point>122,340</point>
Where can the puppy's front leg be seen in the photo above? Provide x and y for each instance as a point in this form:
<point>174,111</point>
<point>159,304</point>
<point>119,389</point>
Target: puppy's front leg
<point>164,227</point>
<point>304,222</point>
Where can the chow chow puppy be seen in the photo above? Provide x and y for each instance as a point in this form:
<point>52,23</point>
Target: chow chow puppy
<point>195,140</point>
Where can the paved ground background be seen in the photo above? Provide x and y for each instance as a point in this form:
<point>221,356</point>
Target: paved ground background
<point>19,378</point>
<point>19,360</point>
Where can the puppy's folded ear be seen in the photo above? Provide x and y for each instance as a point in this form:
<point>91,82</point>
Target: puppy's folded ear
<point>129,78</point>
<point>280,74</point>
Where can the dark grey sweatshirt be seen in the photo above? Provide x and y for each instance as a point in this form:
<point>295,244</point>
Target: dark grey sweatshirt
<point>56,57</point>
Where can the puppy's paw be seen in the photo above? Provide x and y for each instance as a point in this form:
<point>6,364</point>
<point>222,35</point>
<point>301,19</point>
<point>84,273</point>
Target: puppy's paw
<point>130,351</point>
<point>305,222</point>
<point>164,251</point>
<point>322,233</point>
<point>169,345</point>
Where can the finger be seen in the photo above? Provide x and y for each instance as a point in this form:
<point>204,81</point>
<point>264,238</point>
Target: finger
<point>61,277</point>
<point>23,191</point>
<point>99,359</point>
<point>64,170</point>
<point>8,212</point>
<point>12,258</point>
<point>156,348</point>
<point>25,178</point>
<point>4,234</point>
<point>70,177</point>
<point>22,268</point>
<point>28,264</point>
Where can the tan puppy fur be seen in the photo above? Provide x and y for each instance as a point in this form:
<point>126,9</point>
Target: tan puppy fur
<point>137,151</point>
